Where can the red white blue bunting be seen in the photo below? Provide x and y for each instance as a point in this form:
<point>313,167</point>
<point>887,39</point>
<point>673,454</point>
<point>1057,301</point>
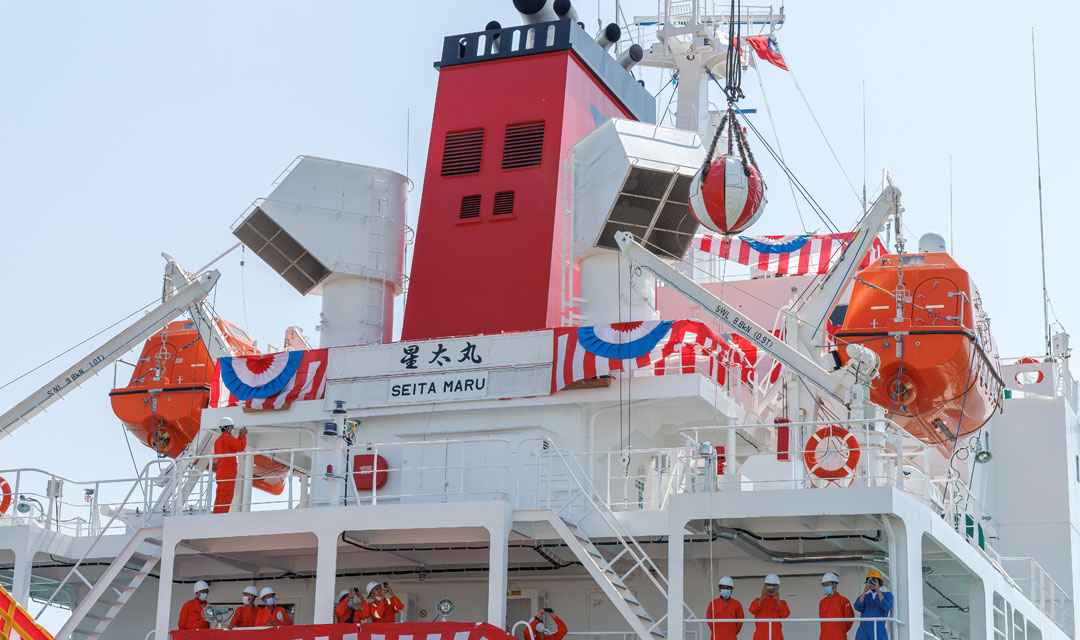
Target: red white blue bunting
<point>269,381</point>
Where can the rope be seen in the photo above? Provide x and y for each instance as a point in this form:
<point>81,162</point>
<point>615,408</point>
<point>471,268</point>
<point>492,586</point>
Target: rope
<point>733,68</point>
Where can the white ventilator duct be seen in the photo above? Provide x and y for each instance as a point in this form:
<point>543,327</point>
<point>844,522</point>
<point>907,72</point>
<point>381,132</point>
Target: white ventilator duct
<point>635,177</point>
<point>336,229</point>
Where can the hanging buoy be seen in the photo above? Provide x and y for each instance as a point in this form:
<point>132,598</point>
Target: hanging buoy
<point>727,201</point>
<point>727,194</point>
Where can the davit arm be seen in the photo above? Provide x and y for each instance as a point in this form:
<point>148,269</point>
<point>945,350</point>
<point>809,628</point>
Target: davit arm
<point>860,370</point>
<point>185,297</point>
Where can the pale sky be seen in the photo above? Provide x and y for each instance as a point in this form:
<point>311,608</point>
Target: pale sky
<point>132,128</point>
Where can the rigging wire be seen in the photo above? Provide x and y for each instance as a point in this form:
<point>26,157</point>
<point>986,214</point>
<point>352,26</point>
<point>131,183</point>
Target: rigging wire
<point>779,148</point>
<point>822,132</point>
<point>76,346</point>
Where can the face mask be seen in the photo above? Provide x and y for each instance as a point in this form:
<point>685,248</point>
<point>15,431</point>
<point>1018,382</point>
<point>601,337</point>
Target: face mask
<point>201,596</point>
<point>247,600</point>
<point>771,590</point>
<point>726,593</point>
<point>270,601</point>
<point>829,590</point>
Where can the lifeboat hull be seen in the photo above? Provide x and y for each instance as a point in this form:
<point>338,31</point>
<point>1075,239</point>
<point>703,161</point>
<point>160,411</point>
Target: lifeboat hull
<point>939,376</point>
<point>165,413</point>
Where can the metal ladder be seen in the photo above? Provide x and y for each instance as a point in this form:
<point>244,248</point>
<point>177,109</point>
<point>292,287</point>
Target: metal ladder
<point>600,567</point>
<point>113,589</point>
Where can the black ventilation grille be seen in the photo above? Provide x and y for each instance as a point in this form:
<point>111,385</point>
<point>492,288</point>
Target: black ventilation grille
<point>462,151</point>
<point>504,203</point>
<point>470,207</point>
<point>524,145</point>
<point>653,206</point>
<point>279,250</point>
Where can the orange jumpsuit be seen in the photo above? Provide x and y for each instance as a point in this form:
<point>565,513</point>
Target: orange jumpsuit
<point>768,607</point>
<point>245,616</point>
<point>344,614</point>
<point>273,617</point>
<point>191,616</point>
<point>719,609</point>
<point>226,469</point>
<point>387,609</point>
<point>559,634</point>
<point>835,606</point>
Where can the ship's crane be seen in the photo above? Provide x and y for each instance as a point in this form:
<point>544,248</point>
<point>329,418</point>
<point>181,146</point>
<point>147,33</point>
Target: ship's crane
<point>186,297</point>
<point>799,358</point>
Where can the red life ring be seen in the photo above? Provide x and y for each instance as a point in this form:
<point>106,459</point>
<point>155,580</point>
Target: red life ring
<point>5,496</point>
<point>1038,374</point>
<point>813,464</point>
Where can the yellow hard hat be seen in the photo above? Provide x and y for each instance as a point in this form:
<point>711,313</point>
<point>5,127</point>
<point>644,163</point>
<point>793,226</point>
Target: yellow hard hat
<point>874,573</point>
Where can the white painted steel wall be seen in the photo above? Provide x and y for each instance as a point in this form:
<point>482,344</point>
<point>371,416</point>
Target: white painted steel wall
<point>351,218</point>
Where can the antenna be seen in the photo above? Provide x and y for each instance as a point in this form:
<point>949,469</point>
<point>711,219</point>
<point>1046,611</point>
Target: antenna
<point>1038,165</point>
<point>864,146</point>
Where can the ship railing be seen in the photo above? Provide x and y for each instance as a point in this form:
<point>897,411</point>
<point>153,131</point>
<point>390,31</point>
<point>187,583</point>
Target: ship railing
<point>798,627</point>
<point>449,470</point>
<point>744,457</point>
<point>50,501</point>
<point>1036,584</point>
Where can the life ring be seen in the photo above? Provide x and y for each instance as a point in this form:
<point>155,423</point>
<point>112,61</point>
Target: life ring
<point>813,464</point>
<point>1038,374</point>
<point>5,496</point>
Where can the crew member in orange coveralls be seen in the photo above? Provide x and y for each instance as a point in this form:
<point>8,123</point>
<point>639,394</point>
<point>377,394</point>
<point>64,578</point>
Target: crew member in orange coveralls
<point>226,465</point>
<point>769,605</point>
<point>834,605</point>
<point>351,607</point>
<point>384,604</point>
<point>246,613</point>
<point>191,615</point>
<point>271,615</point>
<point>540,632</point>
<point>725,607</point>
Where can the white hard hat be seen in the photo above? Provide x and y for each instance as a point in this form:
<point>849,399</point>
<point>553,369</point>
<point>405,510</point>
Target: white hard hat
<point>540,627</point>
<point>344,592</point>
<point>829,577</point>
<point>266,591</point>
<point>371,586</point>
<point>225,422</point>
<point>251,589</point>
<point>772,578</point>
<point>726,581</point>
<point>201,586</point>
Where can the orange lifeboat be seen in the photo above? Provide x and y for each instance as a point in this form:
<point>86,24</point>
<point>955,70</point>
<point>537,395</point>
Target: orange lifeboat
<point>939,376</point>
<point>162,404</point>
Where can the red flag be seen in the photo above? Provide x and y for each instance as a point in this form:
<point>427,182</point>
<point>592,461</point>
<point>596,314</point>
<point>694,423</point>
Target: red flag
<point>767,49</point>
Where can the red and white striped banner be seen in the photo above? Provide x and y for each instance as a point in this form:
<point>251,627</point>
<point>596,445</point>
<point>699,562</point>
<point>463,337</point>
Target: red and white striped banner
<point>582,353</point>
<point>308,382</point>
<point>785,255</point>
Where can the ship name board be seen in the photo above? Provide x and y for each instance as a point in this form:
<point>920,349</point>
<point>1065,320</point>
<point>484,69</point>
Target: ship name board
<point>470,385</point>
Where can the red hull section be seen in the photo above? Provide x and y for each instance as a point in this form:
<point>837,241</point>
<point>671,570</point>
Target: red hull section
<point>939,375</point>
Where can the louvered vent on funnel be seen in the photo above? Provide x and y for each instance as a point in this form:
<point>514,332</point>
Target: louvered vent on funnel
<point>523,146</point>
<point>654,207</point>
<point>462,152</point>
<point>470,207</point>
<point>279,250</point>
<point>504,203</point>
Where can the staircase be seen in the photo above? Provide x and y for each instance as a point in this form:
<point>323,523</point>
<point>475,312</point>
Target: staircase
<point>107,596</point>
<point>584,498</point>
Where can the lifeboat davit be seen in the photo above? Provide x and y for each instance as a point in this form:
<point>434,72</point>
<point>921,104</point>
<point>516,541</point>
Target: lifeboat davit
<point>939,375</point>
<point>162,404</point>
